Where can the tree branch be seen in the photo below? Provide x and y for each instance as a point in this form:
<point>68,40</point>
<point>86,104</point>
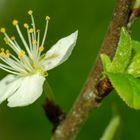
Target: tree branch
<point>89,98</point>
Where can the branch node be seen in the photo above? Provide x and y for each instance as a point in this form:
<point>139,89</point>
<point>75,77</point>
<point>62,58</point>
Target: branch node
<point>103,87</point>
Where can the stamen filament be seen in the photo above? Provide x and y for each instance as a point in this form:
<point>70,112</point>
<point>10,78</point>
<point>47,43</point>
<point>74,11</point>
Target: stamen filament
<point>23,40</point>
<point>30,12</point>
<point>5,66</point>
<point>33,24</point>
<point>34,46</point>
<point>38,38</point>
<point>22,63</point>
<point>15,69</point>
<point>11,44</point>
<point>29,39</point>
<point>45,33</point>
<point>9,71</point>
<point>15,66</point>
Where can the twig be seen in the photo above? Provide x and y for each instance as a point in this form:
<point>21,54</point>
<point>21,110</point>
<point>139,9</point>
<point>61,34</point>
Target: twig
<point>53,112</point>
<point>87,101</point>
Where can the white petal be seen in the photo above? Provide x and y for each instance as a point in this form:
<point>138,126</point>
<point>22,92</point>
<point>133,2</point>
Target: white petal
<point>8,85</point>
<point>30,90</point>
<point>60,51</point>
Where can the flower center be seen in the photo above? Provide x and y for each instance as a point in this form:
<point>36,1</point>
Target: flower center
<point>28,59</point>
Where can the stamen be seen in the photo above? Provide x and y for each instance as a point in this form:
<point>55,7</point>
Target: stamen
<point>23,64</point>
<point>2,49</point>
<point>9,42</point>
<point>37,30</point>
<point>24,41</point>
<point>34,45</point>
<point>38,38</point>
<point>13,66</point>
<point>2,54</point>
<point>6,40</point>
<point>29,39</point>
<point>15,47</point>
<point>20,64</point>
<point>26,25</point>
<point>40,49</point>
<point>30,12</point>
<point>21,54</point>
<point>13,38</point>
<point>31,30</point>
<point>34,42</point>
<point>47,18</point>
<point>46,29</point>
<point>15,22</point>
<point>8,70</point>
<point>3,30</point>
<point>7,53</point>
<point>6,66</point>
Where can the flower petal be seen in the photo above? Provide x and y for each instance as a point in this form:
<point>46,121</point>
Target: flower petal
<point>60,51</point>
<point>8,85</point>
<point>30,90</point>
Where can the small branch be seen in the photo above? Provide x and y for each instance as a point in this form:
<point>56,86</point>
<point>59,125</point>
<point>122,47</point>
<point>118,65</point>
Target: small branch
<point>89,98</point>
<point>54,113</point>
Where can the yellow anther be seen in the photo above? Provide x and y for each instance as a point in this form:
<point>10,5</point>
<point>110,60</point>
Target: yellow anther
<point>21,54</point>
<point>3,30</point>
<point>34,42</point>
<point>15,22</point>
<point>13,38</point>
<point>2,54</point>
<point>30,12</point>
<point>31,30</point>
<point>47,18</point>
<point>26,25</point>
<point>6,40</point>
<point>7,53</point>
<point>2,49</point>
<point>37,30</point>
<point>41,48</point>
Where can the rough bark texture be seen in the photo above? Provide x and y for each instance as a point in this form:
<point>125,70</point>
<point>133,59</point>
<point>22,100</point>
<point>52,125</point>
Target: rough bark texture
<point>87,101</point>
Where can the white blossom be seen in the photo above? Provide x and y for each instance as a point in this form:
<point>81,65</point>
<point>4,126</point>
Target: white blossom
<point>28,67</point>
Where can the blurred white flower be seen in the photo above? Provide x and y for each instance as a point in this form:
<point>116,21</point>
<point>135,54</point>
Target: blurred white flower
<point>28,70</point>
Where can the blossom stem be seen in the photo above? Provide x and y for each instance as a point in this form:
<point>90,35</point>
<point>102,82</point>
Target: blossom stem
<point>48,91</point>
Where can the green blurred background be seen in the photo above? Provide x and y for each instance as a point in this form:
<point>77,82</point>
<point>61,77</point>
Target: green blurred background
<point>91,18</point>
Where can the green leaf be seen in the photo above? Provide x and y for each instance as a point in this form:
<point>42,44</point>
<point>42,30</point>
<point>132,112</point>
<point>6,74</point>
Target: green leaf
<point>111,129</point>
<point>106,62</point>
<point>123,53</point>
<point>134,67</point>
<point>136,46</point>
<point>127,87</point>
